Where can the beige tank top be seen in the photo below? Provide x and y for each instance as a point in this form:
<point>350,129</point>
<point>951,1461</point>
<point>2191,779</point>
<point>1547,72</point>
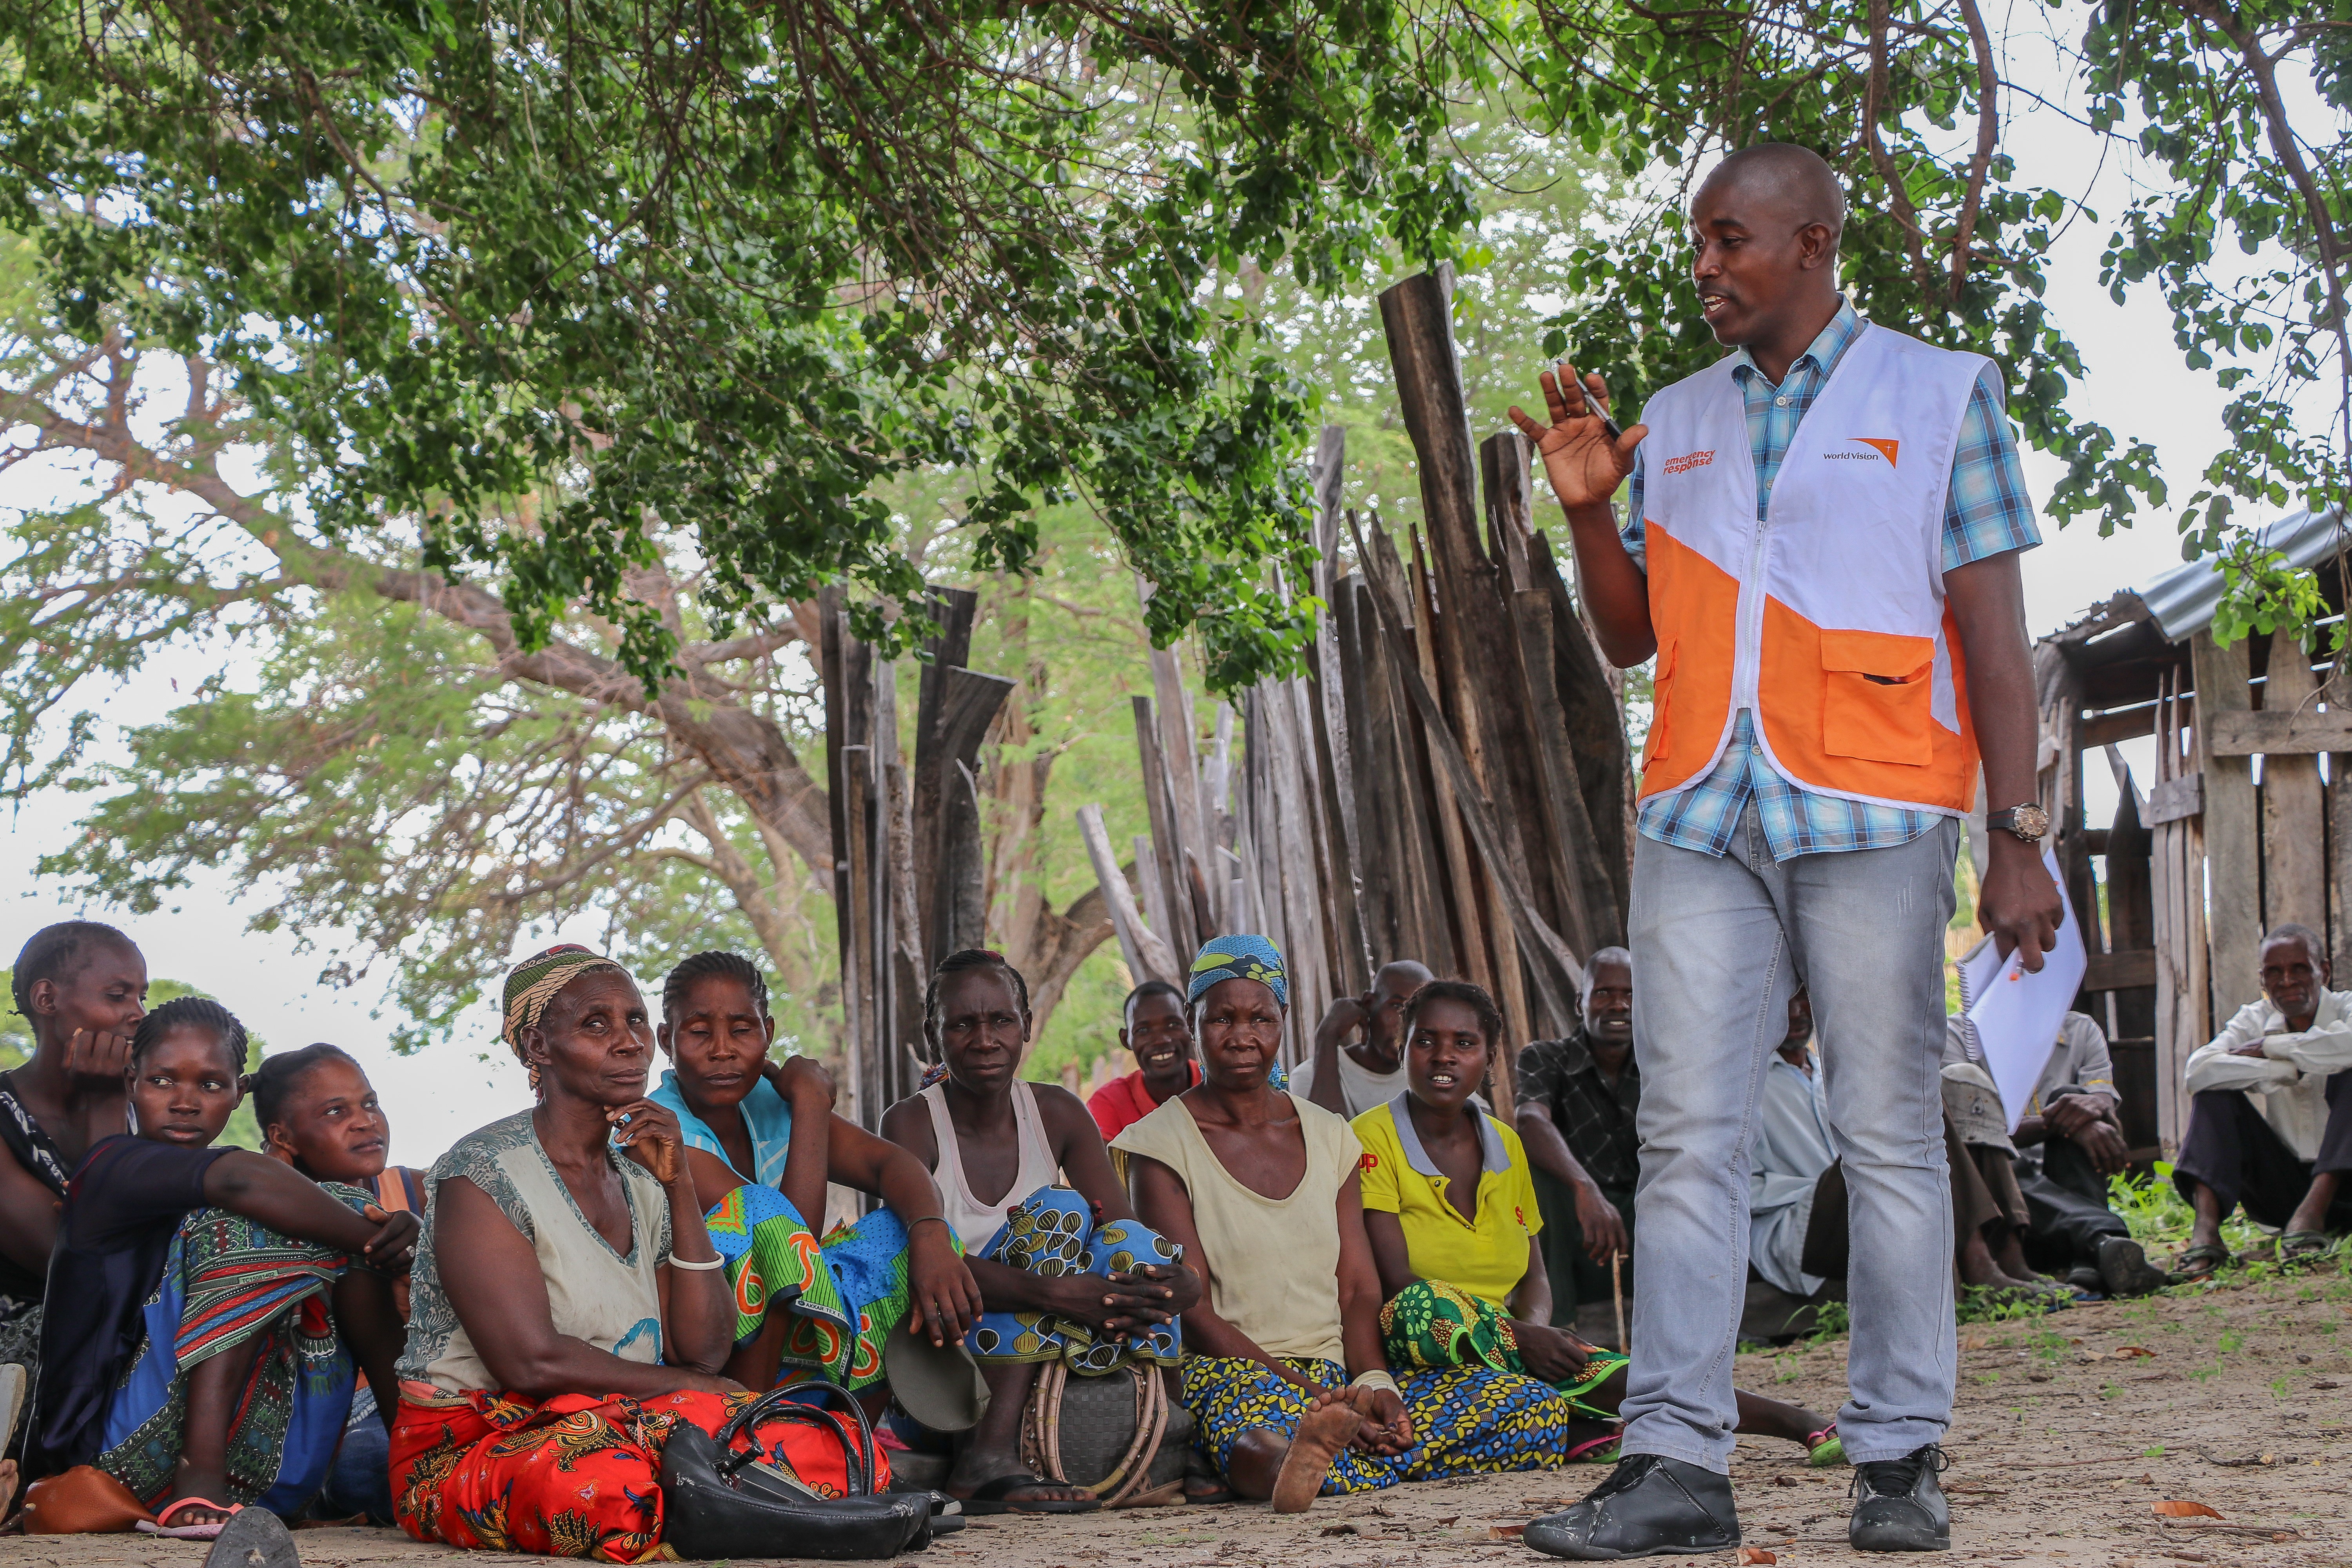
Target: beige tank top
<point>974,1220</point>
<point>611,1299</point>
<point>1273,1263</point>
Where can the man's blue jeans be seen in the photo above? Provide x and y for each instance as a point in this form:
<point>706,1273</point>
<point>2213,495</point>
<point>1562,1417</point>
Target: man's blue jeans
<point>1719,945</point>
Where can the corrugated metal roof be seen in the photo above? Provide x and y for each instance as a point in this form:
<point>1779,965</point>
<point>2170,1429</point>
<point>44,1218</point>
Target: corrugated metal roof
<point>2183,599</point>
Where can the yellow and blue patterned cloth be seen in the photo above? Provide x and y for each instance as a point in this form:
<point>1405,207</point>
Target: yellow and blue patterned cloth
<point>1466,1420</point>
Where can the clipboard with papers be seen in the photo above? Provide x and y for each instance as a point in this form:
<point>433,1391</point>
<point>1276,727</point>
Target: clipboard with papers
<point>2013,1015</point>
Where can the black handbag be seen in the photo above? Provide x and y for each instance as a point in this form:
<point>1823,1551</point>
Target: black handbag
<point>720,1503</point>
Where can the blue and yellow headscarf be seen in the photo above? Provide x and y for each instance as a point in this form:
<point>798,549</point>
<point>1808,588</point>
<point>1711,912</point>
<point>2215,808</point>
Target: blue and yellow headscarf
<point>1239,957</point>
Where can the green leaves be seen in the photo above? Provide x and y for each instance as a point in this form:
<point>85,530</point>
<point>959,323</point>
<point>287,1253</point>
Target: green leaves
<point>553,279</point>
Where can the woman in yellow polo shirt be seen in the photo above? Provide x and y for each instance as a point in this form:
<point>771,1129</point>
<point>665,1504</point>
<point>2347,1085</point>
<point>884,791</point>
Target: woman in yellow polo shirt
<point>1452,1216</point>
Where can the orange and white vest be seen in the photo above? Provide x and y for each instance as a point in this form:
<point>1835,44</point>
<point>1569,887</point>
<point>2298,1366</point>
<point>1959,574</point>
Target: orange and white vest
<point>1827,618</point>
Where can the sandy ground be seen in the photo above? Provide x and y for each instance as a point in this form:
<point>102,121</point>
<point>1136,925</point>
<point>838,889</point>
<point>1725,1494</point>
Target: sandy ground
<point>2067,1436</point>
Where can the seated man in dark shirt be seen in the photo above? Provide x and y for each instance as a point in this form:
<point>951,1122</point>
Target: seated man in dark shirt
<point>188,1349</point>
<point>1577,1100</point>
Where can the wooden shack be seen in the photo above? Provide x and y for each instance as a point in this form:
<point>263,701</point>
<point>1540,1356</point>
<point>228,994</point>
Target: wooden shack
<point>2245,823</point>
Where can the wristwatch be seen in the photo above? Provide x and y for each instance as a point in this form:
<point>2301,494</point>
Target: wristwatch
<point>2029,822</point>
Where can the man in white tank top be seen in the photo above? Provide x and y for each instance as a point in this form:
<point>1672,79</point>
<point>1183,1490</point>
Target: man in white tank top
<point>1823,556</point>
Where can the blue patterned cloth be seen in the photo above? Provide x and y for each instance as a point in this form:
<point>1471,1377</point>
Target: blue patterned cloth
<point>1239,957</point>
<point>1051,1233</point>
<point>1986,513</point>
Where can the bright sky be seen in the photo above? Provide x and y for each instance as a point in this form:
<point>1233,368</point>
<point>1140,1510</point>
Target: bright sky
<point>2137,386</point>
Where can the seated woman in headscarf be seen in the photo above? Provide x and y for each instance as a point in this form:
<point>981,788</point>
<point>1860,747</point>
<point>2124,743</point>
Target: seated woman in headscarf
<point>204,1309</point>
<point>1452,1214</point>
<point>568,1310</point>
<point>1066,1272</point>
<point>1285,1375</point>
<point>761,1141</point>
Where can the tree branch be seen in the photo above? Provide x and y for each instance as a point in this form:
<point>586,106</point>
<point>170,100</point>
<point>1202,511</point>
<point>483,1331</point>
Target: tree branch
<point>1988,136</point>
<point>1874,101</point>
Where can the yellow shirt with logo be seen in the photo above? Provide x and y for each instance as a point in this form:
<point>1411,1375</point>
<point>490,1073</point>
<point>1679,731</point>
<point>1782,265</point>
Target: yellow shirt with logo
<point>1487,1256</point>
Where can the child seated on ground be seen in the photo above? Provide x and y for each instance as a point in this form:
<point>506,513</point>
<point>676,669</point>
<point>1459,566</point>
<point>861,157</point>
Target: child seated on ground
<point>319,1113</point>
<point>205,1305</point>
<point>1452,1214</point>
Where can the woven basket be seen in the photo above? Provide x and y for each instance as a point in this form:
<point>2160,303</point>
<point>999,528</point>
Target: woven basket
<point>1117,1434</point>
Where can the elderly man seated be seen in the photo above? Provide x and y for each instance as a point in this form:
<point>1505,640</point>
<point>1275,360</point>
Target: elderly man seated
<point>2269,1127</point>
<point>2058,1160</point>
<point>1797,1200</point>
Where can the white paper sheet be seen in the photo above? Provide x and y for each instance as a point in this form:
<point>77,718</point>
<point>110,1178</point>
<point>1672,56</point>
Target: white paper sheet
<point>2012,1015</point>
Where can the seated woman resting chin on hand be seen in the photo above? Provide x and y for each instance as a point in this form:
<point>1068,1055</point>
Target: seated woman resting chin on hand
<point>761,1141</point>
<point>1287,1377</point>
<point>1451,1213</point>
<point>568,1310</point>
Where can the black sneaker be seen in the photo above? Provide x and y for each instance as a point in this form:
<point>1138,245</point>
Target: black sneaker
<point>1897,1505</point>
<point>2125,1270</point>
<point>1647,1507</point>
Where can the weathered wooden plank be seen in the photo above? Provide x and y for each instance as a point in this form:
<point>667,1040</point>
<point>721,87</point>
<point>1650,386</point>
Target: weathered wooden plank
<point>1174,709</point>
<point>1596,733</point>
<point>2294,816</point>
<point>1568,832</point>
<point>952,869</point>
<point>1147,956</point>
<point>1372,776</point>
<point>2230,828</point>
<point>841,666</point>
<point>1424,930</point>
<point>1167,841</point>
<point>2106,729</point>
<point>2175,798</point>
<point>2276,732</point>
<point>1458,880</point>
<point>2131,921</point>
<point>1558,974</point>
<point>2121,970</point>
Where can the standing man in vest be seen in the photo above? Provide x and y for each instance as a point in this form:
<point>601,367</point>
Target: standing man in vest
<point>1822,554</point>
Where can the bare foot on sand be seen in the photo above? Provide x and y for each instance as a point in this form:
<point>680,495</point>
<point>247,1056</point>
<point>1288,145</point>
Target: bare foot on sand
<point>1327,1429</point>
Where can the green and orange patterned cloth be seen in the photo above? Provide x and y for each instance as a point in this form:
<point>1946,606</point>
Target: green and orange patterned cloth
<point>844,1294</point>
<point>1430,1324</point>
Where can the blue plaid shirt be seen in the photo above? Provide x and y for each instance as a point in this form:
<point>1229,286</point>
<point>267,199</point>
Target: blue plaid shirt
<point>1985,513</point>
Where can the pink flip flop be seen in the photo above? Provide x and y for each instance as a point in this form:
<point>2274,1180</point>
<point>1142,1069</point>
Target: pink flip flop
<point>164,1527</point>
<point>1591,1450</point>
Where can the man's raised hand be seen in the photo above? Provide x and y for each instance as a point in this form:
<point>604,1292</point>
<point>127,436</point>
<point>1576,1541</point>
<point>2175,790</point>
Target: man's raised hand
<point>1585,465</point>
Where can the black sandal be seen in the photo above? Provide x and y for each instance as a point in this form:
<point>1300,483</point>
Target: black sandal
<point>2200,1263</point>
<point>1204,1487</point>
<point>988,1498</point>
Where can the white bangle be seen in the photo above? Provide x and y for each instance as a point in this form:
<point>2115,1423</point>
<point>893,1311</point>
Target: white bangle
<point>1376,1378</point>
<point>706,1264</point>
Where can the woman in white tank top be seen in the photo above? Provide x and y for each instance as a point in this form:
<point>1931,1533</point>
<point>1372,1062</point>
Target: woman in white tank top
<point>1066,1272</point>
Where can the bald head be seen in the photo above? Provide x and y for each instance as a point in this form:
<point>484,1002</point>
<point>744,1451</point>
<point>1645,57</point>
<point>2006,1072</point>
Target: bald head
<point>1793,183</point>
<point>1764,243</point>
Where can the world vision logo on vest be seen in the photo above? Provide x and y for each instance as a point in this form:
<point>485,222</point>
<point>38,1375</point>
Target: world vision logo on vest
<point>1879,444</point>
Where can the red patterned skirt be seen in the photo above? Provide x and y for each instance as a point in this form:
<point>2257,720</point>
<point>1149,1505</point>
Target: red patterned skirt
<point>576,1476</point>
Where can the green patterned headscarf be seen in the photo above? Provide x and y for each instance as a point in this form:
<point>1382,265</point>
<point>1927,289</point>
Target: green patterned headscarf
<point>536,980</point>
<point>1239,958</point>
